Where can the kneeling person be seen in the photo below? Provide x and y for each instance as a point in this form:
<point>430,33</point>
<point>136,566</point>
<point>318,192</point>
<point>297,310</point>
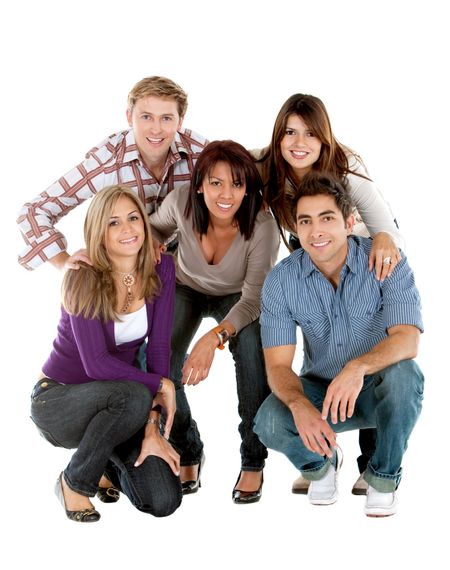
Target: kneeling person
<point>359,337</point>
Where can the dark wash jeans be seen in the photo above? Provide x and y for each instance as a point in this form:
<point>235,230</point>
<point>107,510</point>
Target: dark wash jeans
<point>252,388</point>
<point>105,421</point>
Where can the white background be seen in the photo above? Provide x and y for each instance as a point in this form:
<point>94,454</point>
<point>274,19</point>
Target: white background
<point>381,69</point>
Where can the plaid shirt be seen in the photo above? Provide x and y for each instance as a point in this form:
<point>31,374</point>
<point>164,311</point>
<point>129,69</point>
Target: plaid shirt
<point>116,160</point>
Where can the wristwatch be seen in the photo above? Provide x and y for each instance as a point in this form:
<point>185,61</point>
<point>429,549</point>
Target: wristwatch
<point>222,334</point>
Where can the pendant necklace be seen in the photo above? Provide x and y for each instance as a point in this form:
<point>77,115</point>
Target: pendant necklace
<point>128,280</point>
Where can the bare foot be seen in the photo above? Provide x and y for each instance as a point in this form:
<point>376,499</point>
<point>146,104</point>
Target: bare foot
<point>105,483</point>
<point>188,473</point>
<point>74,501</point>
<point>249,481</point>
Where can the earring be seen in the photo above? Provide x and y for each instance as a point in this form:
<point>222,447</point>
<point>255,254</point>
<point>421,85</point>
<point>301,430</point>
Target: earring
<point>199,191</point>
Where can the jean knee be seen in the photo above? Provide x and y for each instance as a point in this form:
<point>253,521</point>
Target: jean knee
<point>131,396</point>
<point>156,489</point>
<point>403,379</point>
<point>162,506</point>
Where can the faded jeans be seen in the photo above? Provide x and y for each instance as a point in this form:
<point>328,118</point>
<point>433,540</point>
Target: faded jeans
<point>390,400</point>
<point>105,421</point>
<point>252,388</point>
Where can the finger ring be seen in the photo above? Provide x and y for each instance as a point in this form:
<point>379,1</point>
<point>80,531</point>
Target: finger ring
<point>387,260</point>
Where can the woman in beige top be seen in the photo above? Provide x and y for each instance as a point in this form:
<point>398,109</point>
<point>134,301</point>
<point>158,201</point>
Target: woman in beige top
<point>226,246</point>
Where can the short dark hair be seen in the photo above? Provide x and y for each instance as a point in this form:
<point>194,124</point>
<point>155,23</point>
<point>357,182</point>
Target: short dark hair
<point>317,183</point>
<point>243,168</point>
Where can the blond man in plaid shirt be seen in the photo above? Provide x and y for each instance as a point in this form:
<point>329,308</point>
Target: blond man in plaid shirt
<point>153,157</point>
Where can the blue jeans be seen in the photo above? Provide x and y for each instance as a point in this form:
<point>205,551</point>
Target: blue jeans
<point>391,401</point>
<point>105,421</point>
<point>252,389</point>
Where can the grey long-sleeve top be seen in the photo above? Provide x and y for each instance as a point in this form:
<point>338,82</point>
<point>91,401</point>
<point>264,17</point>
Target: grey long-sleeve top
<point>372,212</point>
<point>242,269</point>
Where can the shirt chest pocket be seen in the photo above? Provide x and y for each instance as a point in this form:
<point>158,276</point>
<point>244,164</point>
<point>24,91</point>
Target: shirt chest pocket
<point>366,319</point>
<point>314,324</point>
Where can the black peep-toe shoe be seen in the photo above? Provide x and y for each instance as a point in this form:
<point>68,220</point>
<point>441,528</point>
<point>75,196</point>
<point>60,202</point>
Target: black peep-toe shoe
<point>247,497</point>
<point>86,515</point>
<point>189,487</point>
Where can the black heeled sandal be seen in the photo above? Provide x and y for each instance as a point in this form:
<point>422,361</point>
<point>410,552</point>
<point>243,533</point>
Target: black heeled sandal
<point>86,515</point>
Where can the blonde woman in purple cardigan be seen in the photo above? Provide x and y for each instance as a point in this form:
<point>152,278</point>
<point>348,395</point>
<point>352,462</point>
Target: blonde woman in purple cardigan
<point>90,396</point>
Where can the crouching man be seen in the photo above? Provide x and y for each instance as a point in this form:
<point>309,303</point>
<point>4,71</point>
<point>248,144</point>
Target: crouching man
<point>359,338</point>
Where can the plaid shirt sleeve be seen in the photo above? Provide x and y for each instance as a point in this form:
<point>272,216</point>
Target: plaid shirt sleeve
<point>114,161</point>
<point>37,218</point>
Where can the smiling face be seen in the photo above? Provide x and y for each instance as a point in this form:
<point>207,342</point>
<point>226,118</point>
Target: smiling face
<point>155,122</point>
<point>323,232</point>
<point>299,147</point>
<point>222,193</point>
<point>125,234</point>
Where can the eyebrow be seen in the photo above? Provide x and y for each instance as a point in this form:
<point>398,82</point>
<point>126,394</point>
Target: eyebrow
<point>324,213</point>
<point>143,112</point>
<point>129,214</point>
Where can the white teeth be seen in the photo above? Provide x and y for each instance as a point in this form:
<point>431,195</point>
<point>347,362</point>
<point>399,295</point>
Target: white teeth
<point>320,244</point>
<point>227,206</point>
<point>154,140</point>
<point>131,240</point>
<point>299,153</point>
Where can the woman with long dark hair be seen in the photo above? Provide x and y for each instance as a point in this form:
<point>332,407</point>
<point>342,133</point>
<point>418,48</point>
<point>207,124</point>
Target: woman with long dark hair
<point>227,244</point>
<point>302,141</point>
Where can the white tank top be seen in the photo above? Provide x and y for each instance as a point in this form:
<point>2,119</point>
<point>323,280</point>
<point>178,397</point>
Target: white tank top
<point>131,326</point>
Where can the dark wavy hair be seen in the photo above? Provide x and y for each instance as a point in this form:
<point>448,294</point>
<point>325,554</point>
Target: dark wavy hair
<point>243,169</point>
<point>333,157</point>
<point>322,183</point>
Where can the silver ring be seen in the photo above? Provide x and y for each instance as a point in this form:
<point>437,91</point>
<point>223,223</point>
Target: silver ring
<point>387,260</point>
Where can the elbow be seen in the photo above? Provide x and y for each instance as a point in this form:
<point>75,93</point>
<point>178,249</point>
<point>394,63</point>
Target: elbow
<point>413,345</point>
<point>414,349</point>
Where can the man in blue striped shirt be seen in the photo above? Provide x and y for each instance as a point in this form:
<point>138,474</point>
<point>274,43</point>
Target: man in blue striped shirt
<point>359,336</point>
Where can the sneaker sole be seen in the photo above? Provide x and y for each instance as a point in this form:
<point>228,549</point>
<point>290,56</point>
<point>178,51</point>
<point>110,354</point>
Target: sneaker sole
<point>381,512</point>
<point>360,489</point>
<point>380,515</point>
<point>299,491</point>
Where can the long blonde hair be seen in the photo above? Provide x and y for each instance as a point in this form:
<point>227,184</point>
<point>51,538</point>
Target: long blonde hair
<point>91,290</point>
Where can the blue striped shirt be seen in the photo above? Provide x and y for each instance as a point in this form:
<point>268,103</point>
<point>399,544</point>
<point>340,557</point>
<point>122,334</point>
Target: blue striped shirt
<point>337,325</point>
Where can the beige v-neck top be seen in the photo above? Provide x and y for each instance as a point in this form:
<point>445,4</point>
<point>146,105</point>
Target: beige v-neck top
<point>242,269</point>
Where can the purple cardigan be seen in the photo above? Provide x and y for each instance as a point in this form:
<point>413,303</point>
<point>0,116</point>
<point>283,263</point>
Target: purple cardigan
<point>85,349</point>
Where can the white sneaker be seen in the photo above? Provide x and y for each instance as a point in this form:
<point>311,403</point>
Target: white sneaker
<point>325,490</point>
<point>380,504</point>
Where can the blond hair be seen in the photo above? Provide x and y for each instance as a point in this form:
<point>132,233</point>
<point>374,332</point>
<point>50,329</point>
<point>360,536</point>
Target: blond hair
<point>91,291</point>
<point>157,86</point>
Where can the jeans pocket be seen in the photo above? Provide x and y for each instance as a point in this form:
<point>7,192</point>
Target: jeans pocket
<point>42,387</point>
